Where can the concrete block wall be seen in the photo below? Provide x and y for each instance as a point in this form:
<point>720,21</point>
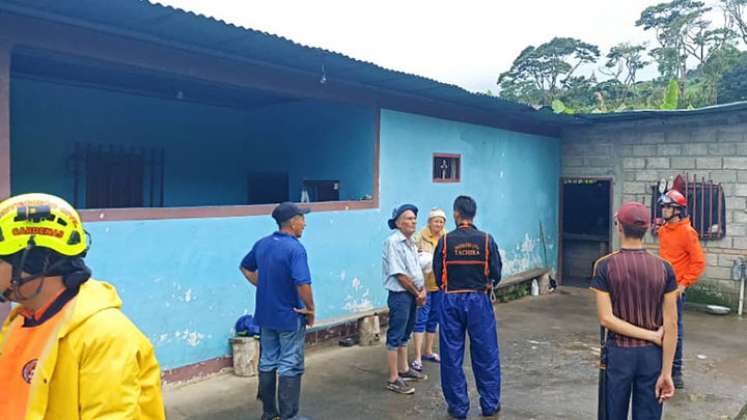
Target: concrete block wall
<point>635,154</point>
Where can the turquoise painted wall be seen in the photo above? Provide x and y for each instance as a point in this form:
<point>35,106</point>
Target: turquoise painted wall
<point>179,278</point>
<point>209,150</point>
<point>512,176</point>
<point>321,142</point>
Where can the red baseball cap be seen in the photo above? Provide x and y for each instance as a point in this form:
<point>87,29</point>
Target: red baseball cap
<point>635,214</point>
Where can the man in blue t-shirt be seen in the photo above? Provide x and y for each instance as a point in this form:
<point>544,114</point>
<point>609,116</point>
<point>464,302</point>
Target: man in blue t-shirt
<point>278,267</point>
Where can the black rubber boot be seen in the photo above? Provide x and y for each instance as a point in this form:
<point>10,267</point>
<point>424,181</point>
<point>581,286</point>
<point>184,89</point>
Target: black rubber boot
<point>289,395</point>
<point>679,383</point>
<point>267,391</point>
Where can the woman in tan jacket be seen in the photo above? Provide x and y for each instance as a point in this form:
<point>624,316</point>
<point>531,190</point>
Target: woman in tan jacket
<point>427,316</point>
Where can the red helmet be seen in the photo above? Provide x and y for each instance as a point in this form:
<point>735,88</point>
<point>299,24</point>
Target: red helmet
<point>673,198</point>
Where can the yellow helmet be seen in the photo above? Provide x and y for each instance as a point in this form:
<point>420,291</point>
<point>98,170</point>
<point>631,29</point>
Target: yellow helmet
<point>41,220</point>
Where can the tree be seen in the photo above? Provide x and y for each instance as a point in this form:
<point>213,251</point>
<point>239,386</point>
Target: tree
<point>525,91</point>
<point>578,92</point>
<point>611,92</point>
<point>713,70</point>
<point>677,25</point>
<point>732,86</point>
<point>737,12</point>
<point>627,60</point>
<point>708,42</point>
<point>539,73</point>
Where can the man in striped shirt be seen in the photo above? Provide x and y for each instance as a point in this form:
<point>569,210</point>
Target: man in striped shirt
<point>636,294</point>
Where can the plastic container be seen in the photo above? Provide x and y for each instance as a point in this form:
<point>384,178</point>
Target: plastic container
<point>245,355</point>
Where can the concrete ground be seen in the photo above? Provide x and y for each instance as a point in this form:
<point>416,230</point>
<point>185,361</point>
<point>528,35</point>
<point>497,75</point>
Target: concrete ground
<point>549,354</point>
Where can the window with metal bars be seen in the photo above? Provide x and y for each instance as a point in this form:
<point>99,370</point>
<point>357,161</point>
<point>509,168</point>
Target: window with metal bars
<point>706,207</point>
<point>114,176</point>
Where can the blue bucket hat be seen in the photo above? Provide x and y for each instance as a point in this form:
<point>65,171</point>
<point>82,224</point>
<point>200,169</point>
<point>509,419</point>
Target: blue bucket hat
<point>398,212</point>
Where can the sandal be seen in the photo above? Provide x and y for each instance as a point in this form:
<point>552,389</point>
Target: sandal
<point>417,365</point>
<point>432,358</point>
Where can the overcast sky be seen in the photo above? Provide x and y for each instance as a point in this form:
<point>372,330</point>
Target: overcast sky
<point>467,43</point>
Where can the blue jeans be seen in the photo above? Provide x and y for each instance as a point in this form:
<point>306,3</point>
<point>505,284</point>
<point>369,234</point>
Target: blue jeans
<point>677,364</point>
<point>401,319</point>
<point>282,350</point>
<point>427,317</point>
<point>633,371</point>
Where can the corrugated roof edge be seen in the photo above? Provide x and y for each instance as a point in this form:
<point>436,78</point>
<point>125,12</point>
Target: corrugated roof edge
<point>559,118</point>
<point>480,101</point>
<point>459,95</point>
<point>661,114</point>
<point>517,105</point>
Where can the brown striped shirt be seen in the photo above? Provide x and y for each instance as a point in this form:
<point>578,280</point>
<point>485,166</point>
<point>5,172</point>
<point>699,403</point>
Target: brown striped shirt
<point>637,282</point>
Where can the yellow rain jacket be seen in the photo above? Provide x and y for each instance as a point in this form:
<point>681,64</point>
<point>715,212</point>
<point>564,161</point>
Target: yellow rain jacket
<point>97,366</point>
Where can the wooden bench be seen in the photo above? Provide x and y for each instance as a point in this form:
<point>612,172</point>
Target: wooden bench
<point>541,274</point>
<point>327,328</point>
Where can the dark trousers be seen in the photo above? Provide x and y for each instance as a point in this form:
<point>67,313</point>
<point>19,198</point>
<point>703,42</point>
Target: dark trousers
<point>471,313</point>
<point>632,372</point>
<point>677,365</point>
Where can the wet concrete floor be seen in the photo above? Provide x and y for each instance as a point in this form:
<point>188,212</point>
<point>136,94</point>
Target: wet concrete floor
<point>549,355</point>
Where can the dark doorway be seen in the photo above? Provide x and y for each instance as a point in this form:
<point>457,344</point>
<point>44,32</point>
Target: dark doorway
<point>585,225</point>
<point>267,187</point>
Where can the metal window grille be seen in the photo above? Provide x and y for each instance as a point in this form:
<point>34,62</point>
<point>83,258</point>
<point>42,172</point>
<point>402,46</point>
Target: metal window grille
<point>706,207</point>
<point>116,176</point>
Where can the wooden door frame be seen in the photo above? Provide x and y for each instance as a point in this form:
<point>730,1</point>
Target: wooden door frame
<point>609,179</point>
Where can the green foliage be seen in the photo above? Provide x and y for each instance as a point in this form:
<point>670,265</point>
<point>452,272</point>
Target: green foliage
<point>578,92</point>
<point>671,96</point>
<point>679,27</point>
<point>560,108</point>
<point>627,60</point>
<point>706,84</point>
<point>710,295</point>
<point>736,10</point>
<point>539,73</point>
<point>516,291</point>
<point>699,63</point>
<point>733,84</point>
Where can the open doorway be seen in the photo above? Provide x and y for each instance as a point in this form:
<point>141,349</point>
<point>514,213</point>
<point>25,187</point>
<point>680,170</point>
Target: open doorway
<point>585,226</point>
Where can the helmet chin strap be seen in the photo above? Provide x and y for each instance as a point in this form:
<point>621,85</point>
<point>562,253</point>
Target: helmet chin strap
<point>678,215</point>
<point>17,280</point>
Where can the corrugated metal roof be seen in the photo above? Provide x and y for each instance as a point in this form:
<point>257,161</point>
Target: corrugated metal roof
<point>646,114</point>
<point>34,64</point>
<point>152,21</point>
<point>143,19</point>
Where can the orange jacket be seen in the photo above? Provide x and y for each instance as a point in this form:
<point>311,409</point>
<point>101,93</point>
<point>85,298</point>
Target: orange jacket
<point>679,244</point>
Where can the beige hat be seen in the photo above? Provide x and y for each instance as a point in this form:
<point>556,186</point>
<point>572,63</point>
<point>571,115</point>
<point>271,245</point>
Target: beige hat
<point>436,212</point>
